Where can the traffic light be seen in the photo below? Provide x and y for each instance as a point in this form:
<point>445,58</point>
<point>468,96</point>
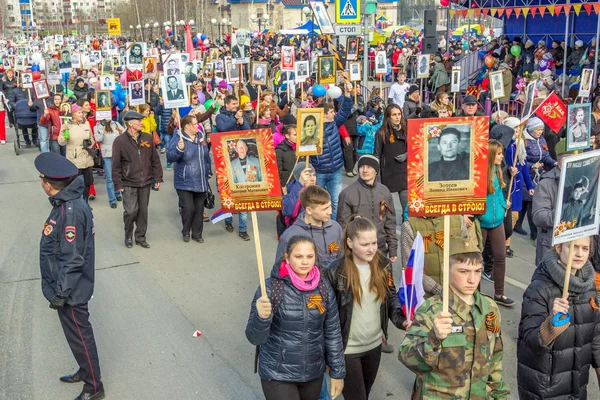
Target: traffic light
<point>371,6</point>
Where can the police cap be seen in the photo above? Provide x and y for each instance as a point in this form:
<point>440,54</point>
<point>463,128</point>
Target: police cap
<point>131,115</point>
<point>55,167</point>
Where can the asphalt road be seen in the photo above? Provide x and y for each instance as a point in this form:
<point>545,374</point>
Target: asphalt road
<point>148,303</point>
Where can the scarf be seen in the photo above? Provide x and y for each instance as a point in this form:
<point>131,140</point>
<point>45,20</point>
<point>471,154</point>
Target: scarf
<point>305,285</point>
<point>581,282</point>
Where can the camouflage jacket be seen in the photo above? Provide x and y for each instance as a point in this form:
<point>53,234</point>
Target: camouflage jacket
<point>465,365</point>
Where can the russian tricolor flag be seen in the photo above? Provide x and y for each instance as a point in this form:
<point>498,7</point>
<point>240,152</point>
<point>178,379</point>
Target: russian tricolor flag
<point>219,215</point>
<point>411,292</point>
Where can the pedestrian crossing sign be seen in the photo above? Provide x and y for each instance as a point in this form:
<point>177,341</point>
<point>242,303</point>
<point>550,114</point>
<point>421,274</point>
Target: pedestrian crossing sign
<point>347,11</point>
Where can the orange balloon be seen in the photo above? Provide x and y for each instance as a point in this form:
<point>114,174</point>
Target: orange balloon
<point>489,61</point>
<point>96,44</point>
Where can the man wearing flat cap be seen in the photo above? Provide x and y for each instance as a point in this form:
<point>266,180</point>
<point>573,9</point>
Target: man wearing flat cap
<point>469,107</point>
<point>453,165</point>
<point>455,338</point>
<point>136,164</point>
<point>67,266</point>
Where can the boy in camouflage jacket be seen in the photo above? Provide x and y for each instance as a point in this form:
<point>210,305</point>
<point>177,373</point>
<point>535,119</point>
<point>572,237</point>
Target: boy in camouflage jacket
<point>457,355</point>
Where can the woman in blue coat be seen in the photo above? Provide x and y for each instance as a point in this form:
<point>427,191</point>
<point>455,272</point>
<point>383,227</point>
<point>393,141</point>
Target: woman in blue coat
<point>522,182</point>
<point>192,170</point>
<point>538,161</point>
<point>297,327</point>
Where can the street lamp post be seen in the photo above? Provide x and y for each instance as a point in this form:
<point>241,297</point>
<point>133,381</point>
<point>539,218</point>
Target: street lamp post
<point>131,30</point>
<point>152,29</point>
<point>212,23</point>
<point>306,10</point>
<point>147,26</point>
<point>260,19</point>
<point>222,23</point>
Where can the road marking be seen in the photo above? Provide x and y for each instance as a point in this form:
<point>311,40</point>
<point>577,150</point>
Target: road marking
<point>515,282</point>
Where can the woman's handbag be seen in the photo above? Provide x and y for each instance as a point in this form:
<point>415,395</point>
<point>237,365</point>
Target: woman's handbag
<point>209,201</point>
<point>156,138</point>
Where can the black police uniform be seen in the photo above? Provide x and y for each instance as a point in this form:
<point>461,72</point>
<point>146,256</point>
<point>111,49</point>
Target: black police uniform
<point>67,267</point>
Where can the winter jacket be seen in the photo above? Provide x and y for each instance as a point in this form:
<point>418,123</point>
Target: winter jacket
<point>286,161</point>
<point>332,158</point>
<point>439,77</point>
<point>291,200</point>
<point>495,206</point>
<point>368,201</point>
<point>8,86</point>
<point>328,239</point>
<point>165,114</point>
<point>393,172</point>
<point>149,124</point>
<point>192,165</point>
<point>52,121</point>
<point>543,207</point>
<point>411,109</point>
<point>574,58</point>
<point>367,133</point>
<point>390,308</point>
<point>357,110</point>
<point>528,61</point>
<point>81,92</point>
<point>76,153</point>
<point>537,151</point>
<point>297,342</point>
<point>560,369</point>
<point>135,162</point>
<point>24,114</point>
<point>521,182</point>
<point>107,139</point>
<point>226,122</point>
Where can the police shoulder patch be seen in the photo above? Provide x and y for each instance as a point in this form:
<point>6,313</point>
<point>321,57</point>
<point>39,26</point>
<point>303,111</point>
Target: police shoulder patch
<point>70,233</point>
<point>48,229</point>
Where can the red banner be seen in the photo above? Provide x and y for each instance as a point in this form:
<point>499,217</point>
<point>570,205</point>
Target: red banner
<point>553,112</point>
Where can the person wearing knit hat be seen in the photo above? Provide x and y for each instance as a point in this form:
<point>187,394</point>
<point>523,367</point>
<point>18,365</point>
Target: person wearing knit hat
<point>379,209</point>
<point>412,103</point>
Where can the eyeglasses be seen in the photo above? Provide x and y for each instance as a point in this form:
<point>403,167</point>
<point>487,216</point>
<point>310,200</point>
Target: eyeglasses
<point>194,98</point>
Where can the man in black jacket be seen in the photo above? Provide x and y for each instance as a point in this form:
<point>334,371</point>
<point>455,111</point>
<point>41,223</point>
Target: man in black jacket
<point>67,266</point>
<point>135,164</point>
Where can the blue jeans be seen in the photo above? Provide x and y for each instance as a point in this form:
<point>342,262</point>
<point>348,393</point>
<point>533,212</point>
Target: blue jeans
<point>43,135</point>
<point>110,187</point>
<point>243,220</point>
<point>57,148</point>
<point>324,392</point>
<point>332,182</point>
<point>166,138</point>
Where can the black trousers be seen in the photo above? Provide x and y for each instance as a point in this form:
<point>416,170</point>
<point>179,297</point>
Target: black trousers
<point>75,321</point>
<point>88,180</point>
<point>192,212</point>
<point>34,133</point>
<point>349,153</point>
<point>277,390</point>
<point>527,209</point>
<point>361,371</point>
<point>135,204</point>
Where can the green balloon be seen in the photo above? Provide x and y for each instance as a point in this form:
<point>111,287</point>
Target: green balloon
<point>69,92</point>
<point>515,50</point>
<point>209,103</point>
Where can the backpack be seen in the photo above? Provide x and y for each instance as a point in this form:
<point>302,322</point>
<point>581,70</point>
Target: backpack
<point>277,292</point>
<point>282,223</point>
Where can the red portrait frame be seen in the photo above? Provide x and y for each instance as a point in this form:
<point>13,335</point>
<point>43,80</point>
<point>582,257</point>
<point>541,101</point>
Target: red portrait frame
<point>260,195</point>
<point>447,197</point>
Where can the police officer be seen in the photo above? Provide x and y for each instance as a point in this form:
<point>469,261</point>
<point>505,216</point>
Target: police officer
<point>67,266</point>
<point>457,354</point>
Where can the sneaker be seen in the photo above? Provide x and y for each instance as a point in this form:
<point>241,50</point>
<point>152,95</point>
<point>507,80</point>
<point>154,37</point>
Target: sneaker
<point>349,174</point>
<point>387,348</point>
<point>163,150</point>
<point>198,239</point>
<point>92,197</point>
<point>519,229</point>
<point>113,205</point>
<point>505,301</point>
<point>186,238</point>
<point>228,227</point>
<point>509,252</point>
<point>487,276</point>
<point>169,168</point>
<point>244,236</point>
<point>119,198</point>
<point>2,141</point>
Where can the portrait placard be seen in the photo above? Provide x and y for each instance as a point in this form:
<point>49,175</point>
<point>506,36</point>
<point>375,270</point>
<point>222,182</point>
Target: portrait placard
<point>578,200</point>
<point>233,72</point>
<point>455,81</point>
<point>135,55</point>
<point>65,64</point>
<point>259,73</point>
<point>579,122</point>
<point>41,89</point>
<point>496,85</point>
<point>327,71</point>
<point>423,66</point>
<point>27,80</point>
<point>380,63</point>
<point>174,91</point>
<point>136,93</point>
<point>103,105</point>
<point>287,58</point>
<point>355,71</point>
<point>246,167</point>
<point>530,95</point>
<point>585,87</point>
<point>65,110</point>
<point>171,64</point>
<point>351,49</point>
<point>107,65</point>
<point>76,60</point>
<point>107,82</point>
<point>309,131</point>
<point>150,67</point>
<point>240,46</point>
<point>322,17</point>
<point>447,166</point>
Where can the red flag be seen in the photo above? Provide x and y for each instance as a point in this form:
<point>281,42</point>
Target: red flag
<point>553,112</point>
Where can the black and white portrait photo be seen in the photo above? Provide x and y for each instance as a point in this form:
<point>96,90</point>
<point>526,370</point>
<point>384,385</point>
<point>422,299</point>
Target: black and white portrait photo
<point>322,17</point>
<point>27,80</point>
<point>233,72</point>
<point>585,86</point>
<point>455,82</point>
<point>380,63</point>
<point>136,93</point>
<point>577,214</point>
<point>351,49</point>
<point>65,64</point>
<point>102,100</point>
<point>496,85</point>
<point>579,120</point>
<point>301,71</point>
<point>530,94</point>
<point>174,91</point>
<point>171,66</point>
<point>449,155</point>
<point>259,73</point>
<point>76,60</point>
<point>423,66</point>
<point>41,90</point>
<point>107,82</point>
<point>354,71</point>
<point>240,44</point>
<point>95,57</point>
<point>135,55</point>
<point>189,72</point>
<point>184,58</point>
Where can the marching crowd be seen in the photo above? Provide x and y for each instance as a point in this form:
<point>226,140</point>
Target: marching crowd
<point>331,289</point>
